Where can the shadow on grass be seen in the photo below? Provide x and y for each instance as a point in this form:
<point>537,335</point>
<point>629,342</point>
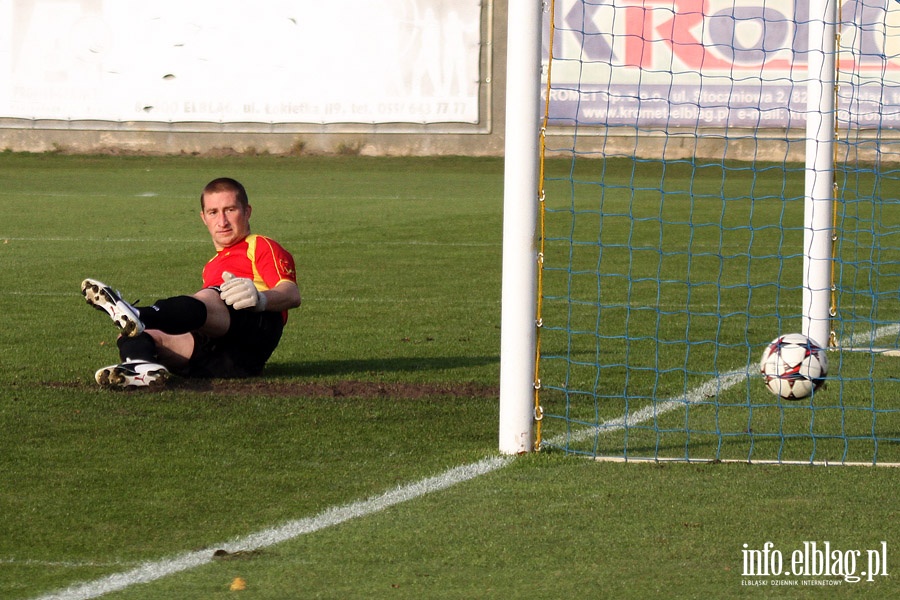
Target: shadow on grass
<point>354,379</point>
<point>363,378</point>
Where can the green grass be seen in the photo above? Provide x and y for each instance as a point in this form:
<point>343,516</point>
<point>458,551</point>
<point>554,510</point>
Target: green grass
<point>399,264</point>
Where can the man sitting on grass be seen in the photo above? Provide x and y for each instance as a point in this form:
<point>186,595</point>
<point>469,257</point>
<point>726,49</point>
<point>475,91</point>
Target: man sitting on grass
<point>229,328</point>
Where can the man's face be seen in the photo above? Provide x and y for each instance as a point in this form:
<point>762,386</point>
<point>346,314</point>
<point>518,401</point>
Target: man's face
<point>227,221</point>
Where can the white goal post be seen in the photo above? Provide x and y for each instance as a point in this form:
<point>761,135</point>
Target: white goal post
<point>521,177</point>
<point>819,200</point>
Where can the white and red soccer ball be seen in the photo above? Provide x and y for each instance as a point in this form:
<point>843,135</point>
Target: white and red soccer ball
<point>793,366</point>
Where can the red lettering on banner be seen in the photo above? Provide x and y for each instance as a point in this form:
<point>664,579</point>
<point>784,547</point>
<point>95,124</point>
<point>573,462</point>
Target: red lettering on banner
<point>706,34</point>
<point>688,20</point>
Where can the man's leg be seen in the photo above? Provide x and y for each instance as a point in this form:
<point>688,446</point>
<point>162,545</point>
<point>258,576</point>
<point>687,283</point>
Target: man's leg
<point>156,337</point>
<point>218,319</point>
<point>169,324</point>
<point>178,314</point>
<point>231,343</point>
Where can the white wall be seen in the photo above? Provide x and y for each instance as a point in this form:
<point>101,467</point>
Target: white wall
<point>275,61</point>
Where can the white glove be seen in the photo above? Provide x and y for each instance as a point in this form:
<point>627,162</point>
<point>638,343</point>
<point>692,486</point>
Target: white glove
<point>240,293</point>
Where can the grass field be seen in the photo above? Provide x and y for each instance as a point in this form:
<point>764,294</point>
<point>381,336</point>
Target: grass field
<point>385,379</point>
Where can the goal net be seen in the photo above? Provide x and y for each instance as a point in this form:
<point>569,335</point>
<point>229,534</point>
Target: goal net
<point>715,174</point>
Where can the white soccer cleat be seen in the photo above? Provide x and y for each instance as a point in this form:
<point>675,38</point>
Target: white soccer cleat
<point>133,373</point>
<point>102,297</point>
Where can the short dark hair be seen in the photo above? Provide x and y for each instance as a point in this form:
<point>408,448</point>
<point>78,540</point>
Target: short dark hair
<point>226,184</point>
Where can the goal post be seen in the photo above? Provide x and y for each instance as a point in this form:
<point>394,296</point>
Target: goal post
<point>520,197</point>
<point>709,175</point>
<point>819,197</point>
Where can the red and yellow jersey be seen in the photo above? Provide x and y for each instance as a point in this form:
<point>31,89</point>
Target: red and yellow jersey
<point>256,257</point>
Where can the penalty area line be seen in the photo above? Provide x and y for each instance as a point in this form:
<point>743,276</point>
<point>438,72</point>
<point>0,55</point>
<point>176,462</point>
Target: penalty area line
<point>152,571</point>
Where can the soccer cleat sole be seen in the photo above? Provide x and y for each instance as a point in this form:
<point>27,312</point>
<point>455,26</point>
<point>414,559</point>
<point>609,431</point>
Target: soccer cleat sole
<point>98,295</point>
<point>118,377</point>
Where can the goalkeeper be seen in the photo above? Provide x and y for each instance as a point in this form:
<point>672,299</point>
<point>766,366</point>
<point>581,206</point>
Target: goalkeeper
<point>229,328</point>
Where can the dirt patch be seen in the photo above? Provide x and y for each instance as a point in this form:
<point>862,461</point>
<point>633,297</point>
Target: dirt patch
<point>336,389</point>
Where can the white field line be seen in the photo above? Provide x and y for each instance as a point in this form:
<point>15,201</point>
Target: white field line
<point>62,563</point>
<point>178,197</point>
<point>287,242</point>
<point>151,571</point>
<point>5,239</point>
<point>859,342</point>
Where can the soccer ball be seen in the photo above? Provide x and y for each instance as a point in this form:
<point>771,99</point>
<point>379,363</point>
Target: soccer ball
<point>793,366</point>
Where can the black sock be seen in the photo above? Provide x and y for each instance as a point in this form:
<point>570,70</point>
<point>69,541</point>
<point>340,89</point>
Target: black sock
<point>139,347</point>
<point>180,314</point>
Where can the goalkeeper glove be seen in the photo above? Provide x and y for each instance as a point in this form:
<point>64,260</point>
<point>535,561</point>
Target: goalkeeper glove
<point>240,293</point>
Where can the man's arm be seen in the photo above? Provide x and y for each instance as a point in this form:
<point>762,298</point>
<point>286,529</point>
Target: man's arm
<point>284,296</point>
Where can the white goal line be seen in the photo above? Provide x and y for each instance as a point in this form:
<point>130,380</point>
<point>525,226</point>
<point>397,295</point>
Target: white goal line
<point>701,461</point>
<point>865,342</point>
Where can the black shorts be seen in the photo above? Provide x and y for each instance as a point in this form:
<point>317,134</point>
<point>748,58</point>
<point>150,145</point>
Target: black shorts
<point>242,352</point>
